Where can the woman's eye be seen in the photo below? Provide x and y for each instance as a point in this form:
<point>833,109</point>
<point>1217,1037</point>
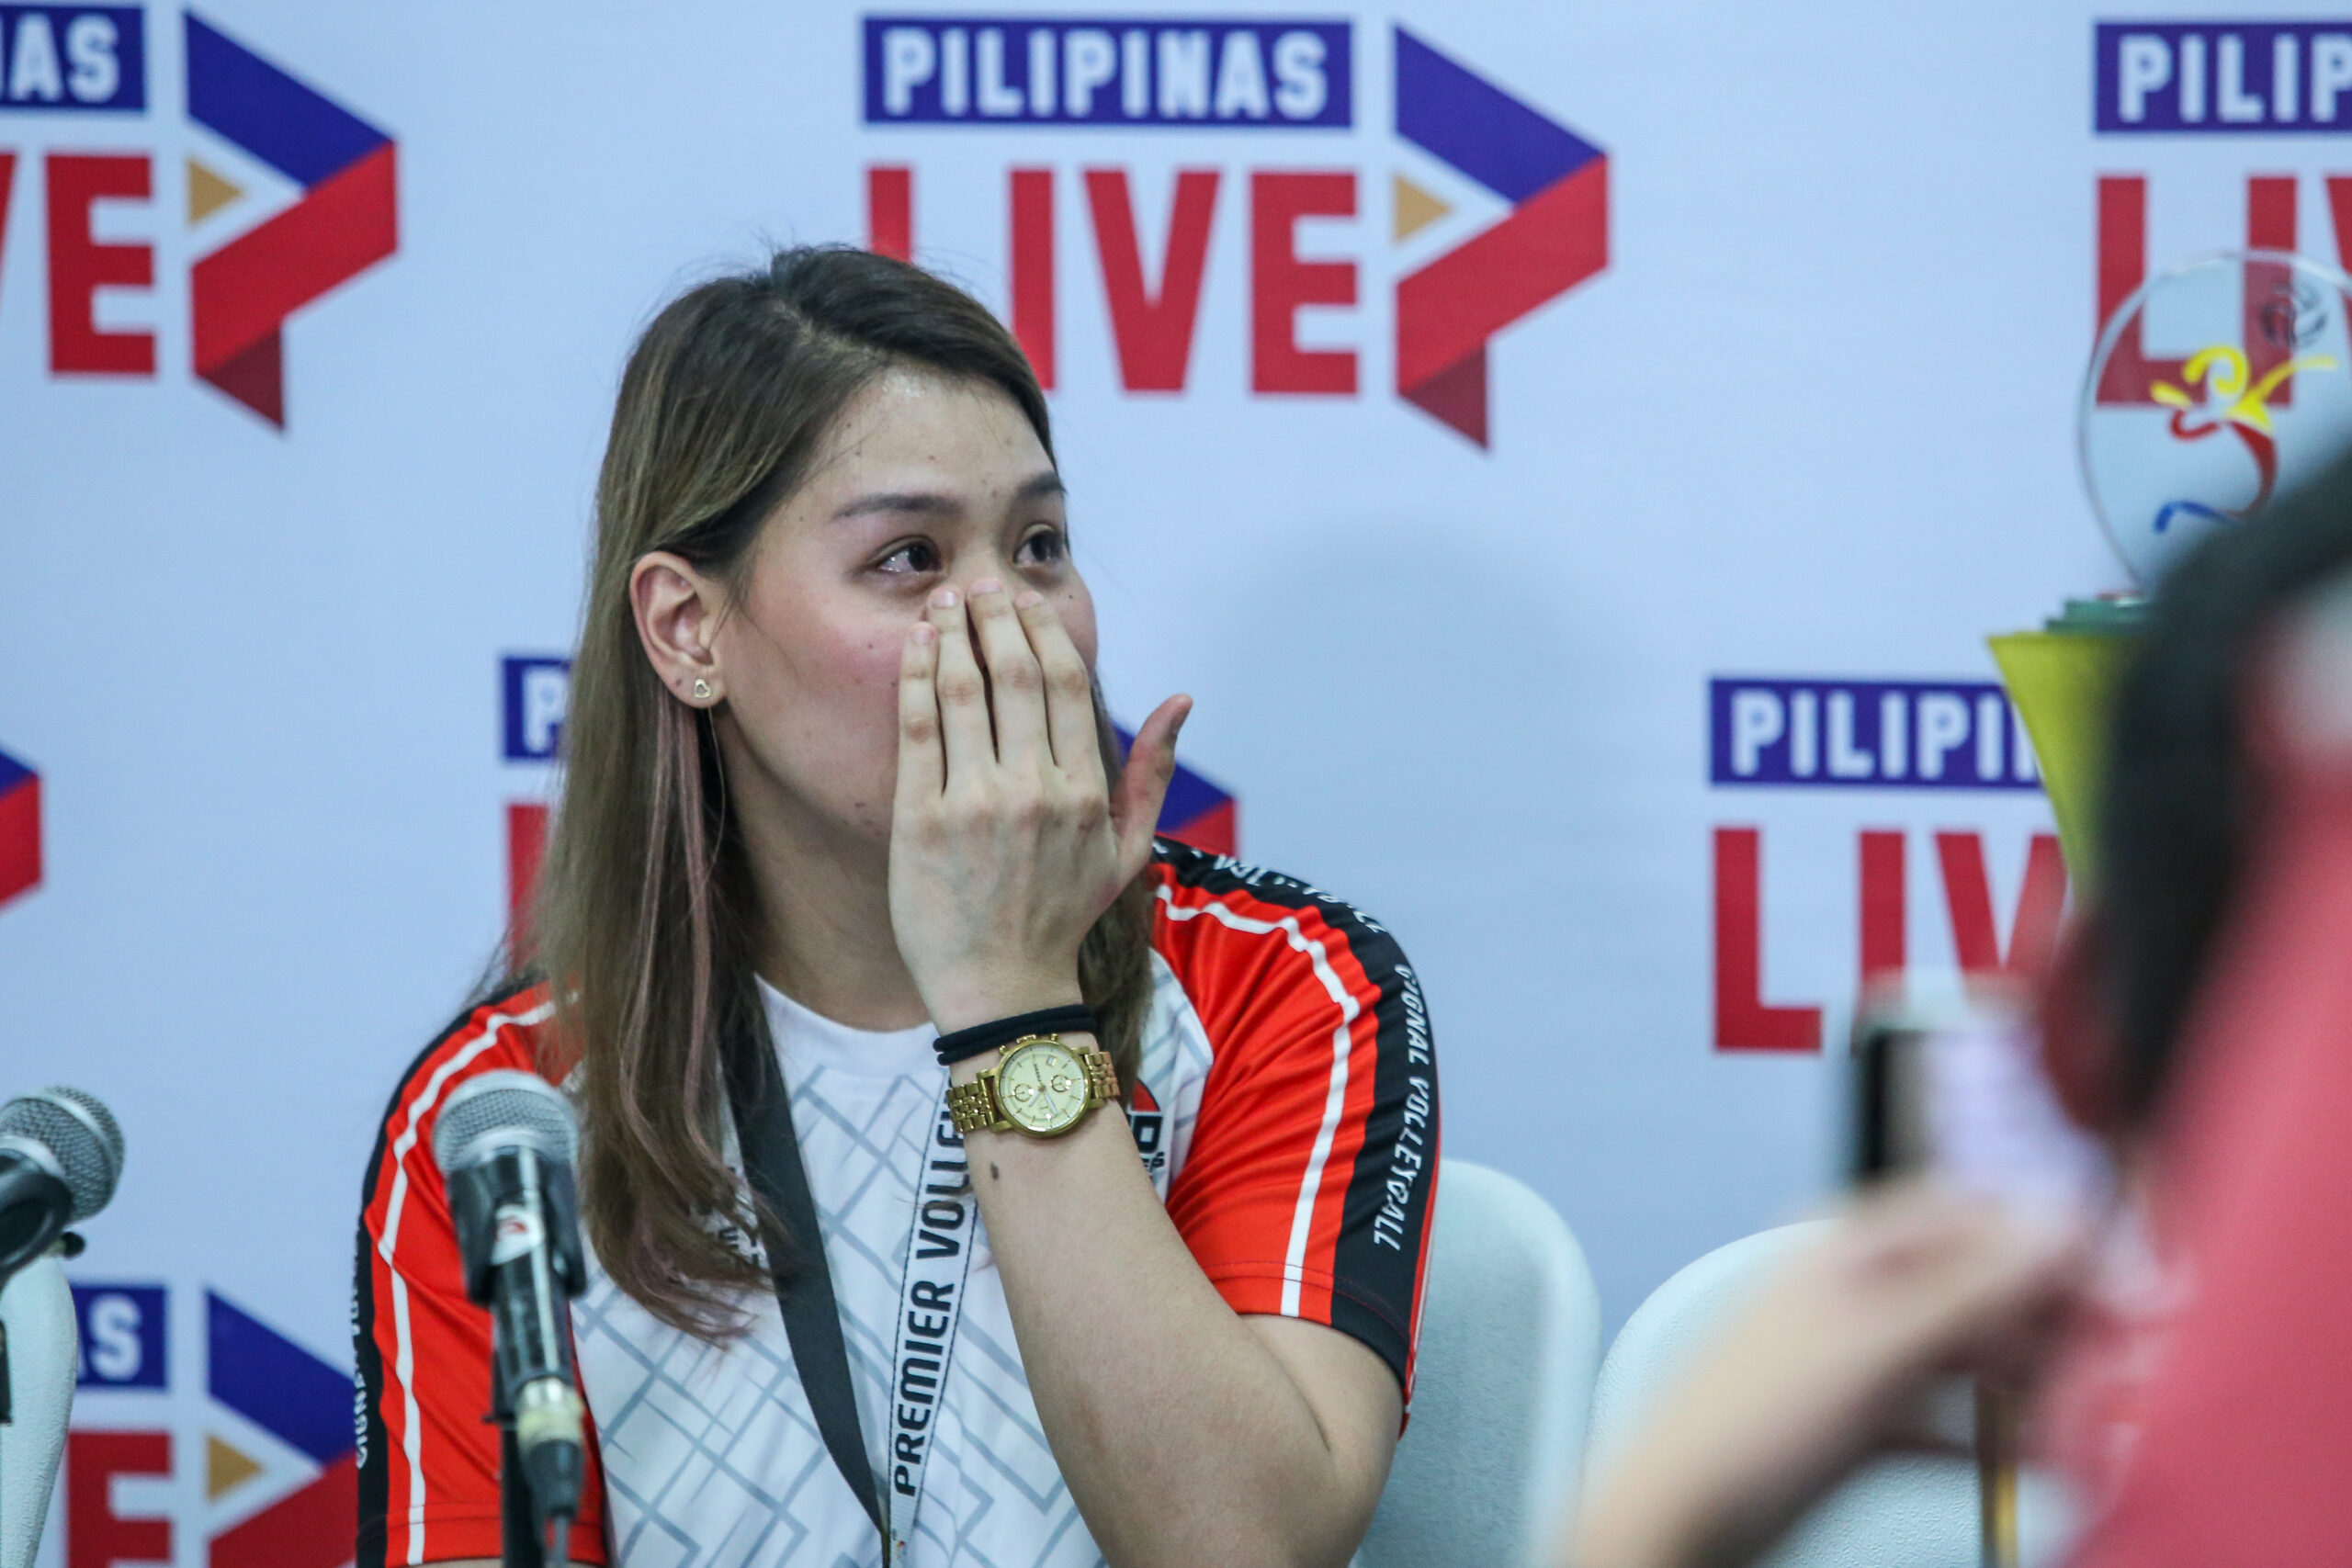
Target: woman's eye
<point>913,558</point>
<point>1044,548</point>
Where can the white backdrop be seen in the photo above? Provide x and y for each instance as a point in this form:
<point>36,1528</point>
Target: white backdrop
<point>1813,422</point>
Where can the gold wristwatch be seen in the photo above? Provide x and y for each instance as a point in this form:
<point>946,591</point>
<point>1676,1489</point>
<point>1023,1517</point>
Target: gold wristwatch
<point>1039,1086</point>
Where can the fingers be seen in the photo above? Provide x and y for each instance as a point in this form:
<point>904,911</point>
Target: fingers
<point>1951,1277</point>
<point>1069,689</point>
<point>963,696</point>
<point>922,762</point>
<point>1016,685</point>
<point>1143,785</point>
<point>1043,697</point>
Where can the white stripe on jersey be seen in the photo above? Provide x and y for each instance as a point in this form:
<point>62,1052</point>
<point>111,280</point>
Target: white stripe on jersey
<point>1335,1098</point>
<point>404,1354</point>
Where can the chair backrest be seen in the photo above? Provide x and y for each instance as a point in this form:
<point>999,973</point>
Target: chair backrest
<point>1660,1340</point>
<point>1913,1510</point>
<point>1510,1338</point>
<point>43,1352</point>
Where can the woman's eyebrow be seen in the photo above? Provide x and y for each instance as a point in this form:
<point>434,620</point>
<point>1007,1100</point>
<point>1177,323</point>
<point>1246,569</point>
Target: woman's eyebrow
<point>937,503</point>
<point>925,503</point>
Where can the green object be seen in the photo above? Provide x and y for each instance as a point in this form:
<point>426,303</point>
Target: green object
<point>2063,680</point>
<point>2110,613</point>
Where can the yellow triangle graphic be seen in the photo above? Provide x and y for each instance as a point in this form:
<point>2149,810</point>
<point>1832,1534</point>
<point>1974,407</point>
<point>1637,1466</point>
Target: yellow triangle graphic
<point>1416,209</point>
<point>226,1469</point>
<point>208,192</point>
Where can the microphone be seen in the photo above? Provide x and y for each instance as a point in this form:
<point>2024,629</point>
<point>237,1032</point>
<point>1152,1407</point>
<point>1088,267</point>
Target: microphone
<point>505,1143</point>
<point>60,1155</point>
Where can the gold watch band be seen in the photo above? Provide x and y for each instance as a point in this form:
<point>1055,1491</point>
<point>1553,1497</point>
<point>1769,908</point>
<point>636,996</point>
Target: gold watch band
<point>972,1105</point>
<point>1101,1078</point>
<point>975,1107</point>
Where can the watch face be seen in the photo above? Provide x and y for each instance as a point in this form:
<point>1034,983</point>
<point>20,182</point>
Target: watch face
<point>1042,1087</point>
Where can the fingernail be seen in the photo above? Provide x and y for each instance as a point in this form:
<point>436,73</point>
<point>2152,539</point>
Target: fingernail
<point>925,634</point>
<point>944,599</point>
<point>987,585</point>
<point>1028,599</point>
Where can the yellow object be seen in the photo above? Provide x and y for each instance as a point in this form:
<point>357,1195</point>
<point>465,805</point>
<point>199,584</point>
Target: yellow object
<point>225,1468</point>
<point>2223,369</point>
<point>208,192</point>
<point>2060,681</point>
<point>1997,1424</point>
<point>1416,209</point>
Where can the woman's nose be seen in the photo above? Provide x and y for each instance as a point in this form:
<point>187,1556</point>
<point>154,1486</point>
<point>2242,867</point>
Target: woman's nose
<point>980,566</point>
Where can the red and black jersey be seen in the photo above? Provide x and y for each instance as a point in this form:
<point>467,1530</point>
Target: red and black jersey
<point>1315,1151</point>
<point>1285,1108</point>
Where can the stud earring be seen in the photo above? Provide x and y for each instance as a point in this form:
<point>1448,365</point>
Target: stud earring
<point>702,690</point>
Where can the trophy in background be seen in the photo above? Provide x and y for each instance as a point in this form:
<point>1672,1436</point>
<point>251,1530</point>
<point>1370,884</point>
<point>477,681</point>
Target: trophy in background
<point>2214,388</point>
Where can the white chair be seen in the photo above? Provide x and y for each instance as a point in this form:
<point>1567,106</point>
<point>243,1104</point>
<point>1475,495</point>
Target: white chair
<point>1908,1511</point>
<point>43,1351</point>
<point>1510,1337</point>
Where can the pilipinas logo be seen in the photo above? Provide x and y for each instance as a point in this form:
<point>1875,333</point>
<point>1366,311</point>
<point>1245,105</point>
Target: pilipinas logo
<point>279,1478</point>
<point>288,193</point>
<point>1776,736</point>
<point>1496,209</point>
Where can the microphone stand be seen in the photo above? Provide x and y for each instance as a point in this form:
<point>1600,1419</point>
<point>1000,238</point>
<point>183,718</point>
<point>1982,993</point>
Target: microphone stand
<point>1996,1474</point>
<point>66,1244</point>
<point>7,1416</point>
<point>519,1542</point>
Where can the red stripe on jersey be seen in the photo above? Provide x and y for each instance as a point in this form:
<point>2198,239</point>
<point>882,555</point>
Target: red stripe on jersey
<point>426,1360</point>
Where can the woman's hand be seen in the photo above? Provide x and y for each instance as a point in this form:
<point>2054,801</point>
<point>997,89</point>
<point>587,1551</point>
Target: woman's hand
<point>1909,1284</point>
<point>1006,842</point>
<point>1268,1436</point>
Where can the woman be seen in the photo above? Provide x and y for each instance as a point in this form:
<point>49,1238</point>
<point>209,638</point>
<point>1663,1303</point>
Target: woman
<point>2197,1021</point>
<point>838,787</point>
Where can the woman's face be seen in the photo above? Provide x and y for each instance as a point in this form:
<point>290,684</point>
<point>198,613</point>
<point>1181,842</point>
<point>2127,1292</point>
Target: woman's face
<point>925,482</point>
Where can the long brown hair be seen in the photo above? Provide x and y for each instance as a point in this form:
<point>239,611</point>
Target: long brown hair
<point>646,913</point>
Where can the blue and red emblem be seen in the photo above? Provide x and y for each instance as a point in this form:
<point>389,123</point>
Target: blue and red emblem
<point>345,222</point>
<point>278,1450</point>
<point>19,827</point>
<point>1556,236</point>
<point>302,1402</point>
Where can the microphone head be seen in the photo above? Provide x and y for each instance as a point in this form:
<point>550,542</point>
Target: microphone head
<point>73,1137</point>
<point>504,1110</point>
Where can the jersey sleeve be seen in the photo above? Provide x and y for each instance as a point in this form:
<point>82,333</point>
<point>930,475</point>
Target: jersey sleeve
<point>1307,1185</point>
<point>428,1460</point>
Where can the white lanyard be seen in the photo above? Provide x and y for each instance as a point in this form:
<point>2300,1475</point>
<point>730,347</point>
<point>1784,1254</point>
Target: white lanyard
<point>931,1305</point>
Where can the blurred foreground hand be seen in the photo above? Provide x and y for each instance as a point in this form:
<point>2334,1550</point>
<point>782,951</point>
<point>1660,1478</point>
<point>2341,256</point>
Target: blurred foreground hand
<point>1910,1283</point>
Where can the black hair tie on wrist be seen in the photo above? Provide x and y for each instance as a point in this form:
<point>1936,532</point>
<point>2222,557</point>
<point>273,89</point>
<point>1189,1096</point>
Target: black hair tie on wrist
<point>966,1044</point>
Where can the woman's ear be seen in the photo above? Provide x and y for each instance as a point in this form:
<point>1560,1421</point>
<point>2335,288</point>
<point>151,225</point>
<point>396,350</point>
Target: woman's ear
<point>677,609</point>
